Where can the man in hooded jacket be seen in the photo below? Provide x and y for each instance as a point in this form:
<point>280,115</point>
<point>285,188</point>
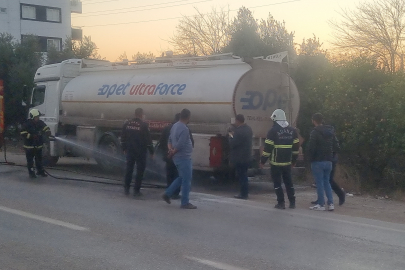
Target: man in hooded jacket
<point>321,147</point>
<point>282,148</point>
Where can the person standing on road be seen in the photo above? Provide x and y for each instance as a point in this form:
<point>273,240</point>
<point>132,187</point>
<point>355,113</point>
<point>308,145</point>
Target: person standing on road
<point>33,132</point>
<point>240,141</point>
<point>335,186</point>
<point>281,147</point>
<point>180,149</point>
<point>135,142</point>
<point>321,146</point>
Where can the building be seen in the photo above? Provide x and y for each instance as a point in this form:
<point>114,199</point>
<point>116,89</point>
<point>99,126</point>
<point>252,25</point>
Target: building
<point>50,20</point>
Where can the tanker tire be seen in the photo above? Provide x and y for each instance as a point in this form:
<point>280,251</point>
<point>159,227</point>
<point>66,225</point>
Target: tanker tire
<point>47,159</point>
<point>109,146</point>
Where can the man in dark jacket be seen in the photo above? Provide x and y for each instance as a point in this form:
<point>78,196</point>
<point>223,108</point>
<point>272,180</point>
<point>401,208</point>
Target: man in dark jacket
<point>171,170</point>
<point>33,132</point>
<point>240,141</point>
<point>281,147</point>
<point>321,146</point>
<point>135,141</point>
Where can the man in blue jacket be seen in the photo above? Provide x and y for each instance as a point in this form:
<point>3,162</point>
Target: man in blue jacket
<point>180,149</point>
<point>240,141</point>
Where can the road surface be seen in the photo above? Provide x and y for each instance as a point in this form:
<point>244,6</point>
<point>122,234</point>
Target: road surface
<point>47,223</point>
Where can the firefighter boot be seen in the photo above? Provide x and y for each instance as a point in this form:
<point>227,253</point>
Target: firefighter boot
<point>31,173</point>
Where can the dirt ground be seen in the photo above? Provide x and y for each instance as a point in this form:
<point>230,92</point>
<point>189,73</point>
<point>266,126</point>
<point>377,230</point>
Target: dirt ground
<point>261,189</point>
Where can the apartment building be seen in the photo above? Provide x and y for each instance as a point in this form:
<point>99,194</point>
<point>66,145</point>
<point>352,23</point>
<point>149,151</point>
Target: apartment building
<point>50,20</point>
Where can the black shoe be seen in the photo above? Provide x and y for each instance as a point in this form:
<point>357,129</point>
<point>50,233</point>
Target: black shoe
<point>314,202</point>
<point>188,206</point>
<point>280,206</point>
<point>342,199</point>
<point>176,197</point>
<point>32,175</point>
<point>292,205</point>
<point>43,174</point>
<point>126,191</point>
<point>240,197</point>
<point>166,198</point>
<point>137,194</point>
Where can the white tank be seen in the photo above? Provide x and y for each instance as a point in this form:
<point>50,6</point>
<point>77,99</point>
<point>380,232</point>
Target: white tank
<point>214,91</point>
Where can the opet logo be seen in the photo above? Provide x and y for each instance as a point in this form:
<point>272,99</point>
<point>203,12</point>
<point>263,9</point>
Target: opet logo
<point>256,100</point>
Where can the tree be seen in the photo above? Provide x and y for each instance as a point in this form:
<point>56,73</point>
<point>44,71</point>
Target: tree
<point>245,40</point>
<point>311,47</point>
<point>250,39</point>
<point>276,37</point>
<point>18,63</point>
<point>84,48</point>
<point>202,34</point>
<point>143,58</point>
<point>374,28</point>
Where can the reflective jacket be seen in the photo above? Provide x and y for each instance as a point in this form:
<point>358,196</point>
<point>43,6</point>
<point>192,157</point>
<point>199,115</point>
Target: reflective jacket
<point>33,133</point>
<point>281,146</point>
<point>135,137</point>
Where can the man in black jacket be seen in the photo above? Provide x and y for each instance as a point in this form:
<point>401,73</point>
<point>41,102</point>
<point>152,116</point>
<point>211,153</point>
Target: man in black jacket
<point>33,132</point>
<point>240,141</point>
<point>321,146</point>
<point>281,147</point>
<point>135,141</point>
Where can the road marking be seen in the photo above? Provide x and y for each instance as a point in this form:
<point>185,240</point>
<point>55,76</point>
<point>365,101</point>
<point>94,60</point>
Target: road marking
<point>248,204</point>
<point>43,219</point>
<point>218,265</point>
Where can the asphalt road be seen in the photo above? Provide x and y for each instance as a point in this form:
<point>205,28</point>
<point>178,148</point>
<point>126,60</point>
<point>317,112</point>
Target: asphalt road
<point>47,223</point>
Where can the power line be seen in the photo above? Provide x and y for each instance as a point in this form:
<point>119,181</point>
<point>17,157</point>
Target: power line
<point>149,8</point>
<point>99,2</point>
<point>172,18</point>
<point>135,7</point>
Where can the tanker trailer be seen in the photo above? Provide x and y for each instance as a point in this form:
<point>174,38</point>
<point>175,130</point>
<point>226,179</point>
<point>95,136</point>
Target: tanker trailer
<point>88,101</point>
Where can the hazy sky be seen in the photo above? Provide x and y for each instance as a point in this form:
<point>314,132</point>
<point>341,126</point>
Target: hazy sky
<point>118,26</point>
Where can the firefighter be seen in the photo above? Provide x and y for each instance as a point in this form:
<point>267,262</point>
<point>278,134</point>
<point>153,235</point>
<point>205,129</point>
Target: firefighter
<point>136,141</point>
<point>33,131</point>
<point>281,147</point>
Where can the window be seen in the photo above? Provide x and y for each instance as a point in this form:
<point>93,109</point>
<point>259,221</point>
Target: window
<point>38,95</point>
<point>28,12</point>
<point>53,43</point>
<point>53,15</point>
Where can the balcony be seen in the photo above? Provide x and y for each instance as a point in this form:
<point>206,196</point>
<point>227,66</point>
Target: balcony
<point>76,6</point>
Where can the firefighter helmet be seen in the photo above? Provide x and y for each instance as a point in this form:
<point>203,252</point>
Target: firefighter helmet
<point>34,113</point>
<point>278,115</point>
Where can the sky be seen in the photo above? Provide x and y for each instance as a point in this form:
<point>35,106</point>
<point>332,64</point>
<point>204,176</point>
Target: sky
<point>131,26</point>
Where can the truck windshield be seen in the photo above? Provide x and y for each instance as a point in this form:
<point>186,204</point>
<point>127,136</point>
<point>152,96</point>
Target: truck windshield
<point>38,95</point>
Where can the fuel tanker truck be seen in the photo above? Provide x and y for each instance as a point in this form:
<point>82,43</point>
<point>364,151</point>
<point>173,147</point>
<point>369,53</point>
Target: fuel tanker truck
<point>87,102</point>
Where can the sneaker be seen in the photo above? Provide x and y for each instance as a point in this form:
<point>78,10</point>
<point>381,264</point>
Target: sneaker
<point>342,199</point>
<point>32,175</point>
<point>166,198</point>
<point>331,207</point>
<point>317,208</point>
<point>176,197</point>
<point>43,174</point>
<point>314,202</point>
<point>280,206</point>
<point>240,197</point>
<point>188,206</point>
<point>292,205</point>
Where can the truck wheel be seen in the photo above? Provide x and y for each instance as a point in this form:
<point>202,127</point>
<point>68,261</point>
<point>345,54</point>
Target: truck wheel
<point>110,155</point>
<point>47,159</point>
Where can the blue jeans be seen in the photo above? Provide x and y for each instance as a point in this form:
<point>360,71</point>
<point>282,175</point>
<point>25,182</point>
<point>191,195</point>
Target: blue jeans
<point>242,173</point>
<point>185,169</point>
<point>321,171</point>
